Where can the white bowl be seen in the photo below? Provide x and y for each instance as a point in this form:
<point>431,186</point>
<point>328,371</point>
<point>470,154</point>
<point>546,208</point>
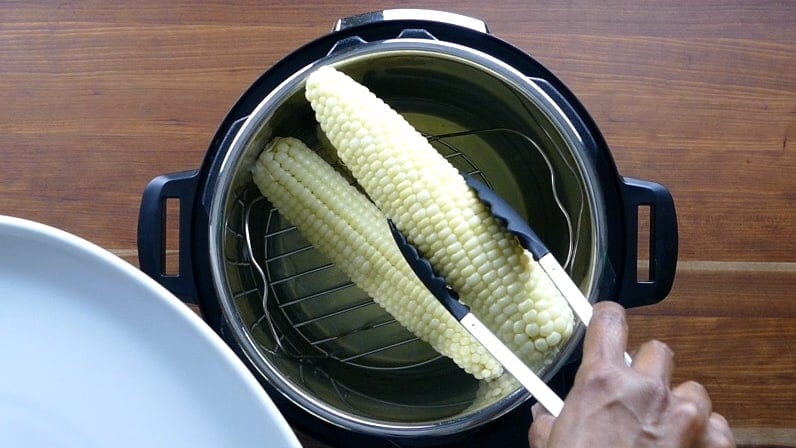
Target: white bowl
<point>93,353</point>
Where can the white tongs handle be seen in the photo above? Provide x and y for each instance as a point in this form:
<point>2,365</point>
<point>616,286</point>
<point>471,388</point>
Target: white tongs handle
<point>538,388</point>
<point>577,301</point>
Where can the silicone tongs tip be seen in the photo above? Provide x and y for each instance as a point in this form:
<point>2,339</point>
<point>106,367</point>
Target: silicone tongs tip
<point>425,272</point>
<point>514,223</point>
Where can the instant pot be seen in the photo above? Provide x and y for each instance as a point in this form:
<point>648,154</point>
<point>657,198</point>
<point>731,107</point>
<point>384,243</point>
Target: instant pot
<point>339,367</point>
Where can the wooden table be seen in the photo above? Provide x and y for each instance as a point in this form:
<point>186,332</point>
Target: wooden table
<point>98,97</point>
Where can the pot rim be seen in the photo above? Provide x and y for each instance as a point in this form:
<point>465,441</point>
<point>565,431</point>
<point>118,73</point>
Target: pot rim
<point>231,164</point>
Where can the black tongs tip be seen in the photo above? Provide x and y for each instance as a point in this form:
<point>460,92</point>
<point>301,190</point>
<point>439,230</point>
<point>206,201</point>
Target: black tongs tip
<point>425,272</point>
<point>515,224</point>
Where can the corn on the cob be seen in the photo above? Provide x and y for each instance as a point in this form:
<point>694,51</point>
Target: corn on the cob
<point>432,205</point>
<point>344,225</point>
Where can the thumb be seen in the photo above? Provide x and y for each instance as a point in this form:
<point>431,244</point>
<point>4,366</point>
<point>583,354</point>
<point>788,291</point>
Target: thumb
<point>542,424</point>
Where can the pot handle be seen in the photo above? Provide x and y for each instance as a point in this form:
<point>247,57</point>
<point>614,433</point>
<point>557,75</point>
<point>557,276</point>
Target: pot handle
<point>152,221</point>
<point>663,243</point>
<point>411,14</point>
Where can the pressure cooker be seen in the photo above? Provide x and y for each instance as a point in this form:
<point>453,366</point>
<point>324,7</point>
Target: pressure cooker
<point>339,367</point>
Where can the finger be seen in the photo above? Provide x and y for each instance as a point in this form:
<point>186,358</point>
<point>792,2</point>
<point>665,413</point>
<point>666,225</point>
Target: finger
<point>606,337</point>
<point>718,433</point>
<point>696,393</point>
<point>690,409</point>
<point>656,359</point>
<point>541,427</point>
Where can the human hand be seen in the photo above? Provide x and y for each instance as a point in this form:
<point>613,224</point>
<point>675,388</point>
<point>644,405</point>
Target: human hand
<point>614,405</point>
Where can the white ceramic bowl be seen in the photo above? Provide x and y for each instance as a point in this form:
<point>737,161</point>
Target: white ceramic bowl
<point>94,353</point>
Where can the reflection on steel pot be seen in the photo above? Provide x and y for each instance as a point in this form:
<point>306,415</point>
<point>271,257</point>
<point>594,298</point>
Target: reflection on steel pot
<point>338,365</point>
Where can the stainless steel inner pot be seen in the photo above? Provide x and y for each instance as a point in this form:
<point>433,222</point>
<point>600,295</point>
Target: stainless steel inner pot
<point>320,340</point>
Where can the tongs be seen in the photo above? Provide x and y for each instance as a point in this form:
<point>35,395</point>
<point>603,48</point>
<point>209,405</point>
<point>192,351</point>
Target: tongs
<point>528,239</point>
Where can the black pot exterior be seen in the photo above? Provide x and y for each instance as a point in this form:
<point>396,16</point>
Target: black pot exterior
<point>621,196</point>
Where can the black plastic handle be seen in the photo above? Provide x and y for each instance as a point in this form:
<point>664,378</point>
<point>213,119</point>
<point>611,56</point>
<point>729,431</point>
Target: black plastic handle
<point>663,243</point>
<point>152,231</point>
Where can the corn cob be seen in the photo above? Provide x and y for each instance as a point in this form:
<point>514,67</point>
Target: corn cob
<point>344,225</point>
<point>432,205</point>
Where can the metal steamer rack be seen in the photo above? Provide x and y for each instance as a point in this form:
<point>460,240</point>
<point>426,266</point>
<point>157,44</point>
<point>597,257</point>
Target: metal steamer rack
<point>313,314</point>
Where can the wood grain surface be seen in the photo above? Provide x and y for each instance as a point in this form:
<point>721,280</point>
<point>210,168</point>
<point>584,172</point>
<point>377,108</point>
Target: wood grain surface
<point>98,97</point>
